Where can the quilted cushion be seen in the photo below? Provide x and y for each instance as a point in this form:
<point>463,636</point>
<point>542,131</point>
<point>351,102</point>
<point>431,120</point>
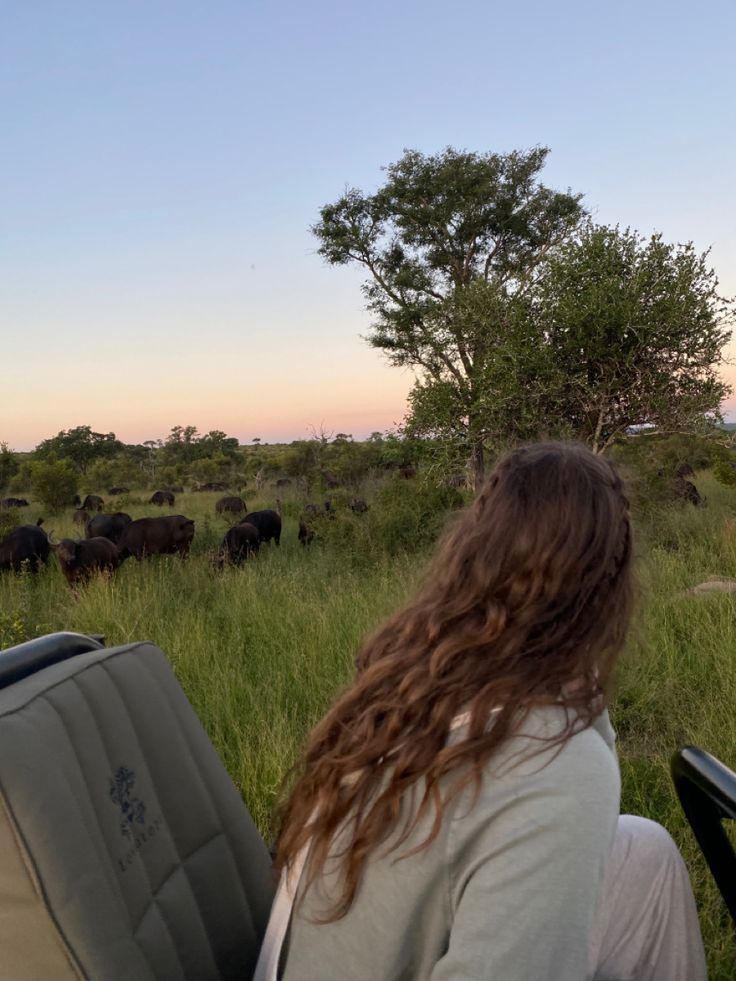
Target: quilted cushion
<point>126,852</point>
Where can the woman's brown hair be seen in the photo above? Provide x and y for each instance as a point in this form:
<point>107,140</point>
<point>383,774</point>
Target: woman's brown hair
<point>527,602</point>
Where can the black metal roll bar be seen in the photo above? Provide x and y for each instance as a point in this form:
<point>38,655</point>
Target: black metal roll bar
<point>33,655</point>
<point>707,792</point>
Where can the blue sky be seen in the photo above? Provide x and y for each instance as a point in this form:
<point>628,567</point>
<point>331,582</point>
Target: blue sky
<point>162,163</point>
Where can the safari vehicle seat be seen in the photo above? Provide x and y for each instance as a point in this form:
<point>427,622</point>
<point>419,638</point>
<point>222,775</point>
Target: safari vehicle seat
<point>707,792</point>
<point>126,852</point>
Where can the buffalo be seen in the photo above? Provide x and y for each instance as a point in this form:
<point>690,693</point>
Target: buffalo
<point>175,490</point>
<point>213,485</point>
<point>306,533</point>
<point>240,542</point>
<point>686,490</point>
<point>317,510</point>
<point>162,497</point>
<point>268,524</point>
<point>26,544</point>
<point>80,560</point>
<point>115,491</point>
<point>93,502</point>
<point>358,505</point>
<point>169,535</point>
<point>81,517</point>
<point>231,505</point>
<point>110,526</point>
<point>13,502</point>
<point>283,482</point>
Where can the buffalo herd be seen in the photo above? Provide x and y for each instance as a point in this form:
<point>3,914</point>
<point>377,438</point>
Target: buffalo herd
<point>111,538</point>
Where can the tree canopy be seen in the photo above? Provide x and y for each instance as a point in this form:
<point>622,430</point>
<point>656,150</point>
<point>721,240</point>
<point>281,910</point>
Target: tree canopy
<point>80,446</point>
<point>521,318</point>
<point>633,331</point>
<point>440,225</point>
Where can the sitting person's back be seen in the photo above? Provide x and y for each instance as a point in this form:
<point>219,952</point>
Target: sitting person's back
<point>503,866</point>
<point>456,812</point>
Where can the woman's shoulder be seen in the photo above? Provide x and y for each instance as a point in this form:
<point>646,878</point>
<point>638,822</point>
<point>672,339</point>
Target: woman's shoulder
<point>544,725</point>
<point>534,772</point>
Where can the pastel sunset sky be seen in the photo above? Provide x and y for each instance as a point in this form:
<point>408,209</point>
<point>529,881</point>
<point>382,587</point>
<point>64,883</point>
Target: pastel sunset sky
<point>162,161</point>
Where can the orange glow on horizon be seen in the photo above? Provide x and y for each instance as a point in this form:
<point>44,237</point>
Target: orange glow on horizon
<point>363,396</point>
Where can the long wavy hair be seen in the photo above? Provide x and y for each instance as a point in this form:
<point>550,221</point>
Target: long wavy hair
<point>527,602</point>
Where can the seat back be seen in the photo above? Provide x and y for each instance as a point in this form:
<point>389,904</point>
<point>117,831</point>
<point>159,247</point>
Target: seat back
<point>707,792</point>
<point>126,851</point>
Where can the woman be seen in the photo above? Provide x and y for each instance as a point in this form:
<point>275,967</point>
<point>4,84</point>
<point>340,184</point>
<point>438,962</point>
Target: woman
<point>456,812</point>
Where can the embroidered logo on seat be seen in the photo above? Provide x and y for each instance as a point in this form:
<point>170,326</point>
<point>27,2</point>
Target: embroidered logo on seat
<point>132,809</point>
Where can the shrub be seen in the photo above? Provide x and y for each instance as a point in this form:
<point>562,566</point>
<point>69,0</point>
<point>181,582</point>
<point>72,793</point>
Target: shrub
<point>9,465</point>
<point>725,473</point>
<point>8,521</point>
<point>408,515</point>
<point>22,479</point>
<point>653,452</point>
<point>54,484</point>
<point>405,516</point>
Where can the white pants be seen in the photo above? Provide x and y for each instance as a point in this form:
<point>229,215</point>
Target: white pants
<point>647,926</point>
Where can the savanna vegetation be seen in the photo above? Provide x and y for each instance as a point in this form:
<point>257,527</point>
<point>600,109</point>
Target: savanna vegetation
<point>522,320</point>
<point>262,649</point>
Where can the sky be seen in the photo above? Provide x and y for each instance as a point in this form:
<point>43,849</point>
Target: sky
<point>163,160</point>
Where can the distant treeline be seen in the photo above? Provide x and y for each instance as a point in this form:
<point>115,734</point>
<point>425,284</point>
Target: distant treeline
<point>185,457</point>
<point>82,461</point>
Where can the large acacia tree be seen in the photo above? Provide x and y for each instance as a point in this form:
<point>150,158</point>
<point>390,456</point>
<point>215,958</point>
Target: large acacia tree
<point>442,231</point>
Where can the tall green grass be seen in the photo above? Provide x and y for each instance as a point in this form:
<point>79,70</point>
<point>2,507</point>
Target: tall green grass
<point>262,650</point>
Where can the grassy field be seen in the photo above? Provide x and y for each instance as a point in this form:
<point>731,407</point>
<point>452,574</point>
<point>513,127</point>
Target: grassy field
<point>261,651</point>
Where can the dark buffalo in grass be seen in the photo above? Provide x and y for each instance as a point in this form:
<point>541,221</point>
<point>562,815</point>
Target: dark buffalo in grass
<point>240,543</point>
<point>358,504</point>
<point>80,560</point>
<point>306,532</point>
<point>686,490</point>
<point>26,544</point>
<point>81,517</point>
<point>212,485</point>
<point>169,535</point>
<point>13,502</point>
<point>109,526</point>
<point>116,491</point>
<point>93,502</point>
<point>268,524</point>
<point>162,497</point>
<point>231,505</point>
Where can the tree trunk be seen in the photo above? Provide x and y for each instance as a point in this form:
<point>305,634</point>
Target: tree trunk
<point>596,447</point>
<point>478,459</point>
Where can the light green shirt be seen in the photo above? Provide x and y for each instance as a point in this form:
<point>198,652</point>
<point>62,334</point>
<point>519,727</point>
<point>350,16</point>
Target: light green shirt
<point>506,892</point>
